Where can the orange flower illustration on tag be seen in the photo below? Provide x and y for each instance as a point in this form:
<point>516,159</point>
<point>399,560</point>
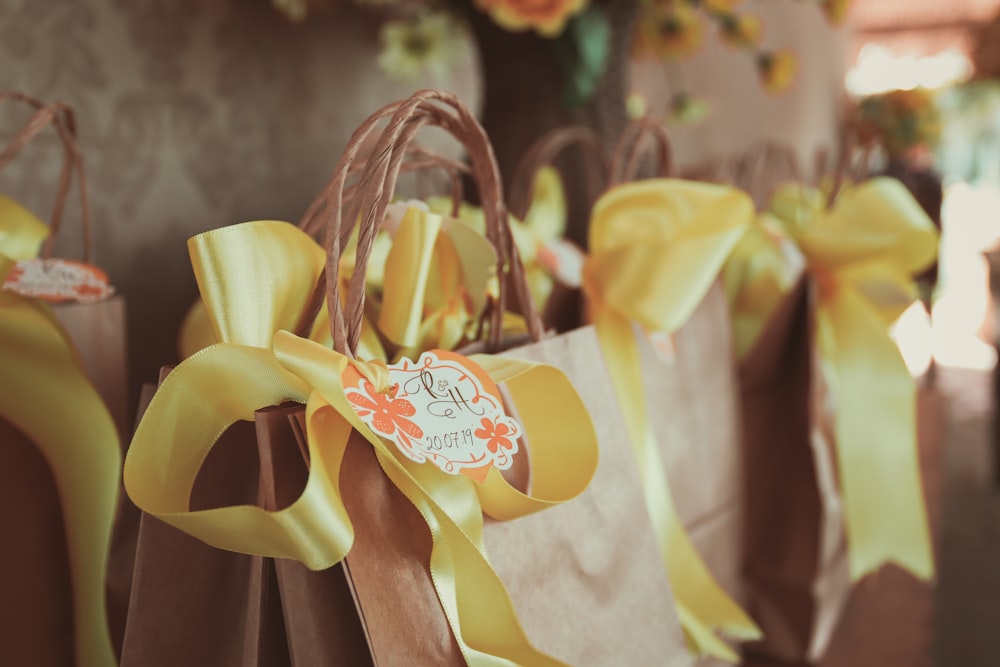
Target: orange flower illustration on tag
<point>443,408</point>
<point>388,415</point>
<point>494,434</point>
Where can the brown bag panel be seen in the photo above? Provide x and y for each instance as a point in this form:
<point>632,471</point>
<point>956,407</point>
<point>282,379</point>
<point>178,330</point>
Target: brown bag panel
<point>388,567</point>
<point>320,619</point>
<point>586,577</point>
<point>190,602</point>
<point>36,598</point>
<point>98,334</point>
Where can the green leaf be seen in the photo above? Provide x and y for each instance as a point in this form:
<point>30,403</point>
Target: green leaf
<point>584,47</point>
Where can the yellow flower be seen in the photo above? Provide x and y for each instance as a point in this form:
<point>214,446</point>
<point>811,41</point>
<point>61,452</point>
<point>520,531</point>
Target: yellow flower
<point>430,42</point>
<point>669,31</point>
<point>721,6</point>
<point>777,70</point>
<point>740,30</point>
<point>836,10</point>
<point>636,105</point>
<point>546,17</point>
<point>687,110</point>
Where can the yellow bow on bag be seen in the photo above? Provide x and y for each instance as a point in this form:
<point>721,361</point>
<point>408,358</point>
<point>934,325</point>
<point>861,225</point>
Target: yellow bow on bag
<point>756,276</point>
<point>656,247</point>
<point>259,364</point>
<point>426,283</point>
<point>863,254</point>
<point>46,395</point>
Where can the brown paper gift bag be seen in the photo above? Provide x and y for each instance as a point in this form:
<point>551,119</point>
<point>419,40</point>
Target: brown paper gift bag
<point>693,395</point>
<point>225,608</point>
<point>796,552</point>
<point>606,583</point>
<point>60,447</point>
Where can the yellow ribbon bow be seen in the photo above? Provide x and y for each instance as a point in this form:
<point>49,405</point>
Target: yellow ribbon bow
<point>862,254</point>
<point>426,282</point>
<point>46,395</point>
<point>258,364</point>
<point>656,247</point>
<point>756,275</point>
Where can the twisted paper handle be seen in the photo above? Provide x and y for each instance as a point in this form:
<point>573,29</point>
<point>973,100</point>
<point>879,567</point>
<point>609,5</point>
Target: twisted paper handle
<point>628,151</point>
<point>62,118</point>
<point>544,151</point>
<point>373,194</point>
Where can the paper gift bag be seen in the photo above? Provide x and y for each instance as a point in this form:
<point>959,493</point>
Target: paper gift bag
<point>98,334</point>
<point>59,443</point>
<point>226,608</point>
<point>693,395</point>
<point>412,549</point>
<point>796,565</point>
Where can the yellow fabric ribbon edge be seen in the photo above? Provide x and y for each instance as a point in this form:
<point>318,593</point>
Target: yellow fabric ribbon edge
<point>229,381</point>
<point>656,248</point>
<point>863,254</point>
<point>47,396</point>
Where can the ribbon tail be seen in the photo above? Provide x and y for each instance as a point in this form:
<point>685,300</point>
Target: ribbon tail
<point>697,591</point>
<point>876,438</point>
<point>46,396</point>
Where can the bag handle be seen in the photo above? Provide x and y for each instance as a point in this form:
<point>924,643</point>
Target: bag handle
<point>63,119</point>
<point>418,158</point>
<point>755,171</point>
<point>544,151</point>
<point>373,196</point>
<point>628,151</point>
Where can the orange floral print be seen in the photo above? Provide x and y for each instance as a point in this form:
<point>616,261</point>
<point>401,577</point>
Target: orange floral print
<point>388,413</point>
<point>494,434</point>
<point>546,17</point>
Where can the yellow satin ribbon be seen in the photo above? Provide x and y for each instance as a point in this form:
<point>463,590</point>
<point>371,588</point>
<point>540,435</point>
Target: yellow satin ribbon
<point>756,276</point>
<point>257,364</point>
<point>426,285</point>
<point>656,247</point>
<point>46,395</point>
<point>862,254</point>
<point>543,224</point>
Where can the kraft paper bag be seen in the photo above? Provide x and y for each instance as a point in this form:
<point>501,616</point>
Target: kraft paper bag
<point>34,605</point>
<point>795,548</point>
<point>586,577</point>
<point>98,333</point>
<point>194,604</point>
<point>693,399</point>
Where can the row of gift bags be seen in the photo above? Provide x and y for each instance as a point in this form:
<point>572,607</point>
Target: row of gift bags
<point>630,510</point>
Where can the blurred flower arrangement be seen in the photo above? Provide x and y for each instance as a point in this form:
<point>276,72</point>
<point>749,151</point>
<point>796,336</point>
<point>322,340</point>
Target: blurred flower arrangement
<point>904,123</point>
<point>425,37</point>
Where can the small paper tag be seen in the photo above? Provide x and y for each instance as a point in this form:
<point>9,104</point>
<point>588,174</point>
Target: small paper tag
<point>57,280</point>
<point>443,408</point>
<point>563,260</point>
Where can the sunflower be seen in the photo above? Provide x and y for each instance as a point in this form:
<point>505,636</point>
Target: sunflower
<point>740,30</point>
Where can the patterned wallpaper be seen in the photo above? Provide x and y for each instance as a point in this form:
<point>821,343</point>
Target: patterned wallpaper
<point>192,115</point>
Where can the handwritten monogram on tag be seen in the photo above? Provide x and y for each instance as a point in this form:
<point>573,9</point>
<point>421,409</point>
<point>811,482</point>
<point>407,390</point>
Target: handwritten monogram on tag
<point>442,408</point>
<point>57,280</point>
